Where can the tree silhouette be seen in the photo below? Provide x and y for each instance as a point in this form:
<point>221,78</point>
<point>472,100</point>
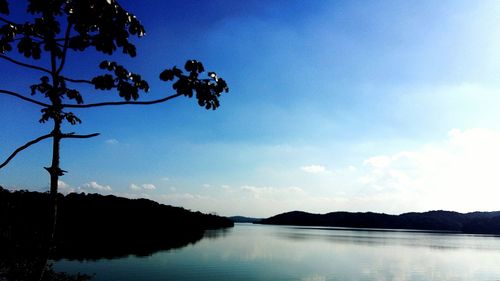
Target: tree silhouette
<point>57,29</point>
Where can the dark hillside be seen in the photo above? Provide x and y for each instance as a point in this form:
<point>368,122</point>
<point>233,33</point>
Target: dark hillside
<point>295,218</point>
<point>476,222</point>
<point>433,220</point>
<point>366,220</point>
<point>93,226</point>
<point>242,219</point>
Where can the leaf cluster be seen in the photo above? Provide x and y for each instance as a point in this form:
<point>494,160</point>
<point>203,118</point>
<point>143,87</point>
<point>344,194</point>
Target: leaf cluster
<point>59,26</point>
<point>104,25</point>
<point>127,83</point>
<point>101,24</point>
<point>207,90</point>
<point>48,90</point>
<point>54,112</point>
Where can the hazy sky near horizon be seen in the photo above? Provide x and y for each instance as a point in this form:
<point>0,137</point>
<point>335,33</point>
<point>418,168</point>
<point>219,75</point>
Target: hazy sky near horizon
<point>385,106</point>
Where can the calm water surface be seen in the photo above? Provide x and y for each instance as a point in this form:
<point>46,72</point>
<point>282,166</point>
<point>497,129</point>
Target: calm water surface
<point>258,252</point>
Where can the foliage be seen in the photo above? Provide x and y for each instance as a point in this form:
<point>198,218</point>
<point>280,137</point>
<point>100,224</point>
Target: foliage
<point>60,26</point>
<point>58,30</point>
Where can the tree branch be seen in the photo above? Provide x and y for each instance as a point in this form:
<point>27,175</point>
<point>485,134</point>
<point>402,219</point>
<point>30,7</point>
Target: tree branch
<point>40,41</point>
<point>74,136</point>
<point>77,80</point>
<point>65,48</point>
<point>23,98</point>
<point>121,103</point>
<point>7,21</point>
<point>21,148</point>
<point>24,64</point>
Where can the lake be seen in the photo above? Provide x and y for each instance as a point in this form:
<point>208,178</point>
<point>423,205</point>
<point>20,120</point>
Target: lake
<point>263,252</point>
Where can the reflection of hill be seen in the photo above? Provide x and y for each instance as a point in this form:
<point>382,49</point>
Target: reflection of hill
<point>476,222</point>
<point>95,226</point>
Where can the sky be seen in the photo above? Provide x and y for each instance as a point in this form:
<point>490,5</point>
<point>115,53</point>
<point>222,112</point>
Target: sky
<point>383,106</point>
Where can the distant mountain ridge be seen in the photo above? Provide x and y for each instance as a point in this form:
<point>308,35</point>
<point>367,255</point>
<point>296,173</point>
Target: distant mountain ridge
<point>473,223</point>
<point>242,219</point>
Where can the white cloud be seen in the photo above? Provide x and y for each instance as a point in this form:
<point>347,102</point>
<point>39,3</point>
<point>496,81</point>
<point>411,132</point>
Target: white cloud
<point>64,188</point>
<point>95,186</point>
<point>89,187</point>
<point>460,173</point>
<point>146,186</point>
<point>245,200</point>
<point>271,192</point>
<point>314,169</point>
<point>378,161</point>
<point>112,141</point>
<point>135,187</point>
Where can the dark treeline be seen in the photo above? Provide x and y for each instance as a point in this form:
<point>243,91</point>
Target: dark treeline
<point>91,226</point>
<point>473,223</point>
<point>242,219</point>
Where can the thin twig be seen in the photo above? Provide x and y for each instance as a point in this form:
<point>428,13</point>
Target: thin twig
<point>23,98</point>
<point>24,64</point>
<point>77,80</point>
<point>21,148</point>
<point>120,103</point>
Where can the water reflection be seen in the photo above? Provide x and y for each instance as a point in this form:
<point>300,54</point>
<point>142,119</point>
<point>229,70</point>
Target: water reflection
<point>254,252</point>
<point>314,277</point>
<point>216,233</point>
<point>172,242</point>
<point>378,237</point>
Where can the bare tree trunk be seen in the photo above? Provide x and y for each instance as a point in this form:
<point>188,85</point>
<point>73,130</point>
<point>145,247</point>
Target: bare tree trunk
<point>54,171</point>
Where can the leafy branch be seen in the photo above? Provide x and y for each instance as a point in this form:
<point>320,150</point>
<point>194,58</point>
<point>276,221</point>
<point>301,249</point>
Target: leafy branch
<point>56,28</point>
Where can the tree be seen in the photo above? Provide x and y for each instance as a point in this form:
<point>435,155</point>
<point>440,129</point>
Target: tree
<point>57,29</point>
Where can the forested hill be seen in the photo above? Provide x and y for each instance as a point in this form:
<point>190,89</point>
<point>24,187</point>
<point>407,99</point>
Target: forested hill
<point>242,219</point>
<point>474,223</point>
<point>93,226</point>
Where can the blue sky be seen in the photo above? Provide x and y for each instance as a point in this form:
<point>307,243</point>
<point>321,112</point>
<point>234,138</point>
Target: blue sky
<point>386,106</point>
